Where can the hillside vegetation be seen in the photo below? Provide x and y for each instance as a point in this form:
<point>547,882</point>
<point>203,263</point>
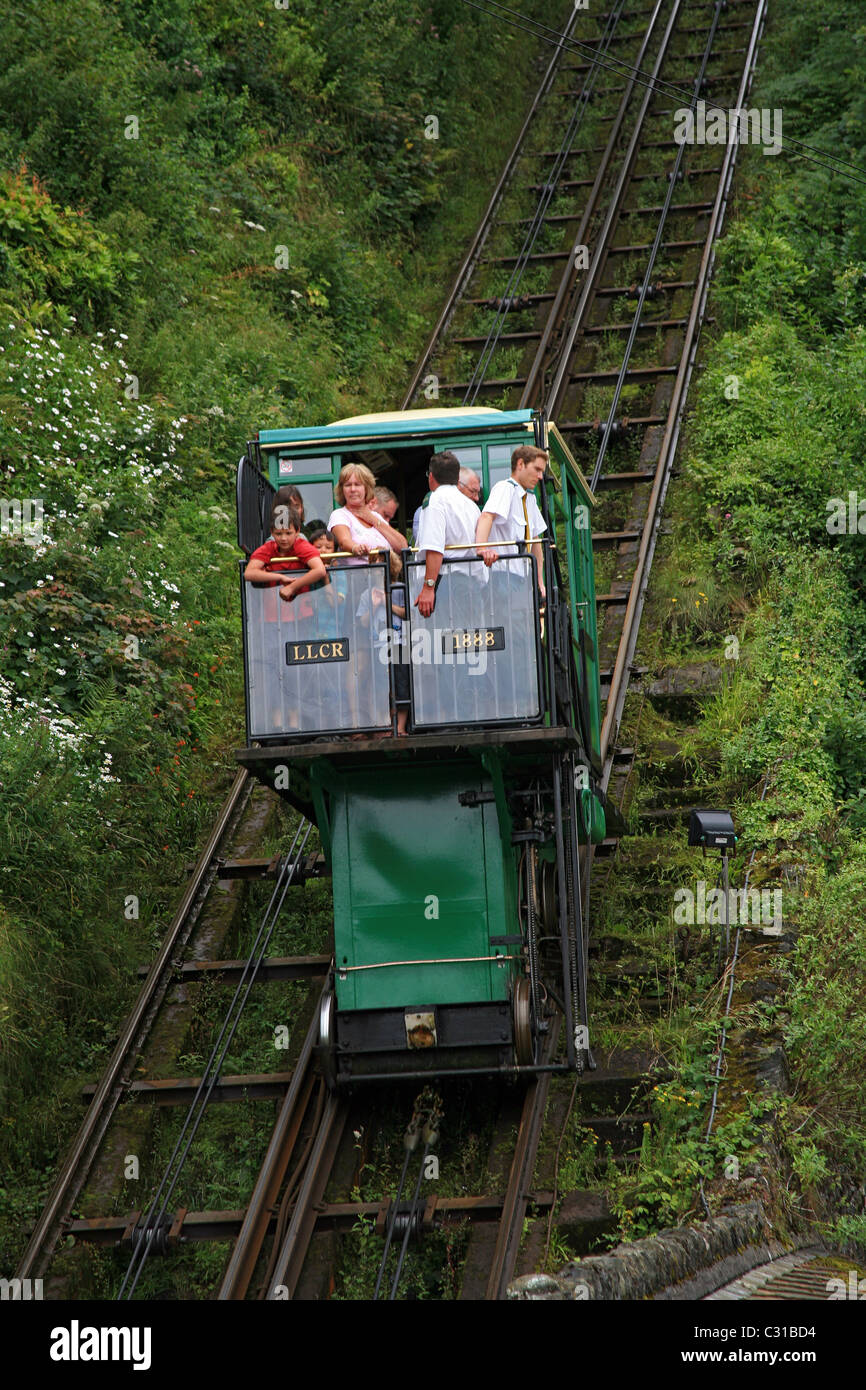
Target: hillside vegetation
<point>765,576</point>
<point>214,218</point>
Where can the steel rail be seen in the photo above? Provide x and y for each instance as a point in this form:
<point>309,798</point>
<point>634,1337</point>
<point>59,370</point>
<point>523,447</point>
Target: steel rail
<point>293,1252</point>
<point>567,281</point>
<point>476,246</point>
<point>510,1229</point>
<point>80,1156</point>
<point>520,1177</point>
<point>547,192</point>
<point>199,1104</point>
<point>640,581</point>
<point>254,1227</point>
<point>560,381</point>
<point>673,175</point>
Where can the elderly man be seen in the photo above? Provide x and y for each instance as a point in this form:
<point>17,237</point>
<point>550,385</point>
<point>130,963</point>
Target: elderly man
<point>469,484</point>
<point>385,503</point>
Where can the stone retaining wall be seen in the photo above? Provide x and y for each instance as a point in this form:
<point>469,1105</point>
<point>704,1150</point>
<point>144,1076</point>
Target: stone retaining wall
<point>684,1263</point>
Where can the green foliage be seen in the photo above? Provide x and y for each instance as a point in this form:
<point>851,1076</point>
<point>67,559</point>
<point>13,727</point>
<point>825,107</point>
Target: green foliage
<point>775,450</point>
<point>827,1033</point>
<point>213,220</point>
<point>52,257</point>
<point>771,458</point>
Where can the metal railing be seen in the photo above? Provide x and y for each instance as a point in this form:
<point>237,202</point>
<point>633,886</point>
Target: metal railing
<point>255,496</point>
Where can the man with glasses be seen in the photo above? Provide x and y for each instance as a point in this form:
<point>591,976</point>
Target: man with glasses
<point>469,484</point>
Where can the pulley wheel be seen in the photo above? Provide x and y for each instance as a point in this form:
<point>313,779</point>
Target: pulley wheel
<point>549,916</point>
<point>524,1024</point>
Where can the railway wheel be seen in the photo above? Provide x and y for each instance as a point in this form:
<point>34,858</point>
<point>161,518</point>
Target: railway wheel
<point>327,1044</point>
<point>525,1031</point>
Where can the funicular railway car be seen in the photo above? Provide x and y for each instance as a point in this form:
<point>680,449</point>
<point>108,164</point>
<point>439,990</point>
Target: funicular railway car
<point>455,851</point>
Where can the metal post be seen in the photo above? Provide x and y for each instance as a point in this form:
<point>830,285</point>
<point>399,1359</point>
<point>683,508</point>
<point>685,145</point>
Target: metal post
<point>727,904</point>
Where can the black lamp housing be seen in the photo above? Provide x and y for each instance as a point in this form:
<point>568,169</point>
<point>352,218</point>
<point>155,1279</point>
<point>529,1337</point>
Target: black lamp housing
<point>712,830</point>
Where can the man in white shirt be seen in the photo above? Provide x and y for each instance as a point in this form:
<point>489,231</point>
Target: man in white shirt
<point>449,519</point>
<point>470,485</point>
<point>511,513</point>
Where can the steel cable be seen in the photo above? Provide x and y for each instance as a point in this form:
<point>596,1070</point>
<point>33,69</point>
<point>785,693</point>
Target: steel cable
<point>623,69</point>
<point>210,1077</point>
<point>537,223</point>
<point>644,289</point>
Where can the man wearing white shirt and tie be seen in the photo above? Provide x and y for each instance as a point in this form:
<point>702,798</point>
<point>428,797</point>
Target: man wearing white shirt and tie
<point>511,513</point>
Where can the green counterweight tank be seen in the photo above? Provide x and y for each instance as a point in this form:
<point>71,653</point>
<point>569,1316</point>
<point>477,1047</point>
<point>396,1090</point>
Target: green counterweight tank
<point>423,881</point>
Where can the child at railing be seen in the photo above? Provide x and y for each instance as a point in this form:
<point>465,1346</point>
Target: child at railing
<point>389,646</point>
<point>330,595</point>
<point>287,552</point>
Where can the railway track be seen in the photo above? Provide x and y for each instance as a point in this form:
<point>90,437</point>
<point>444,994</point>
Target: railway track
<point>583,294</point>
<point>118,1074</point>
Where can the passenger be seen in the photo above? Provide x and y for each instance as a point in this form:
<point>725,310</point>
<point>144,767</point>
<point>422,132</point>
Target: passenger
<point>385,503</point>
<point>449,519</point>
<point>356,526</point>
<point>287,543</point>
<point>372,611</point>
<point>419,512</point>
<point>266,567</point>
<point>469,484</point>
<point>289,496</point>
<point>319,536</point>
<point>334,587</point>
<point>511,513</point>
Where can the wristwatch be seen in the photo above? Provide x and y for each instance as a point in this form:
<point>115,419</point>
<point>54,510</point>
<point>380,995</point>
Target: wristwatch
<point>431,583</point>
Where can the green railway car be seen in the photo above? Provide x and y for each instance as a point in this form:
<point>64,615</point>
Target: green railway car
<point>456,850</point>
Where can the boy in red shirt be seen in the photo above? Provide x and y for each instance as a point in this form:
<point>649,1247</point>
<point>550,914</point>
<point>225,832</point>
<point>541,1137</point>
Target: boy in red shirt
<point>287,550</point>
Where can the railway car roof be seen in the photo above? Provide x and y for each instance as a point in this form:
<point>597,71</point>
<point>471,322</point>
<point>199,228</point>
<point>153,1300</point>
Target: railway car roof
<point>408,423</point>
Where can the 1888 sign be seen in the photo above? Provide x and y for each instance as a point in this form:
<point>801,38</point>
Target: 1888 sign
<point>474,639</point>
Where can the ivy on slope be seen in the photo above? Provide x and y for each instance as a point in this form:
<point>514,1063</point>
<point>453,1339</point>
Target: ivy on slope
<point>776,487</point>
<point>214,218</point>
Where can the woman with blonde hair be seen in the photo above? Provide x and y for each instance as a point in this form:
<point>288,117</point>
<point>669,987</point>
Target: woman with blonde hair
<point>356,527</point>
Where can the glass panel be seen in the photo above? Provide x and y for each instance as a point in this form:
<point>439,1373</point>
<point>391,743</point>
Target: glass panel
<point>469,456</point>
<point>318,664</point>
<point>318,499</point>
<point>289,469</point>
<point>475,660</point>
<point>498,462</point>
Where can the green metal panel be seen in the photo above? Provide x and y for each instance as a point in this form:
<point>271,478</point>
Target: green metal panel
<point>452,429</point>
<point>417,877</point>
<point>574,507</point>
